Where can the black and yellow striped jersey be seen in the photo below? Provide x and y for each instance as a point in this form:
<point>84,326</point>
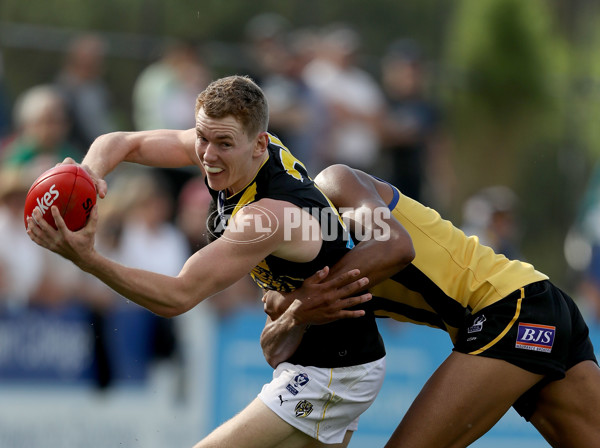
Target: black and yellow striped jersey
<point>282,177</point>
<point>450,276</point>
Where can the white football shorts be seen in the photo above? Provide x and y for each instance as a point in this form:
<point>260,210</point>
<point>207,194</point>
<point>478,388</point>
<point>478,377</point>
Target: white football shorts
<point>323,402</point>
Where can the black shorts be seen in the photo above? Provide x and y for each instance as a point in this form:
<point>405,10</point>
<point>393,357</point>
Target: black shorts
<point>538,328</point>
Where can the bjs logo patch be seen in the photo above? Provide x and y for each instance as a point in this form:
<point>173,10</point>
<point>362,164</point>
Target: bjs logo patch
<point>539,338</point>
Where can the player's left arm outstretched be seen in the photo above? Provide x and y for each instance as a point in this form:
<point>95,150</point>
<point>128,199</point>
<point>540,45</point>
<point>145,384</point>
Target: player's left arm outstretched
<point>200,277</point>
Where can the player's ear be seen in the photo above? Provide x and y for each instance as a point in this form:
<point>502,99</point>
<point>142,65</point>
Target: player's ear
<point>262,141</point>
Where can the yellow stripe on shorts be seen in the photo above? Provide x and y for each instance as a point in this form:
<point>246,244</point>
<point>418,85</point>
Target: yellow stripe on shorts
<point>326,404</point>
<point>508,327</point>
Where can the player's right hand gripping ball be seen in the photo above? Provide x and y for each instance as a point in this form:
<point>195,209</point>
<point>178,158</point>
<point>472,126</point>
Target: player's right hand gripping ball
<point>70,188</point>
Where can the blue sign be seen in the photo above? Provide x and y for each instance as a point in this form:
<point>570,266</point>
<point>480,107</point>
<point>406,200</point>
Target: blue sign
<point>58,344</point>
<point>46,344</point>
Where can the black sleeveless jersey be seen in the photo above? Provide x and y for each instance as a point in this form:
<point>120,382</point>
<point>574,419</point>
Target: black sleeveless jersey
<point>283,177</point>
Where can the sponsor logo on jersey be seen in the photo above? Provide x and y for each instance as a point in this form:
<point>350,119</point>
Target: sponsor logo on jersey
<point>298,383</point>
<point>539,338</point>
<point>303,408</point>
<point>477,324</point>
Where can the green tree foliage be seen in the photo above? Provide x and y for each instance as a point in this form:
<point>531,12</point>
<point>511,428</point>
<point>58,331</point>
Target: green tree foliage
<point>585,90</point>
<point>508,61</point>
<point>507,109</point>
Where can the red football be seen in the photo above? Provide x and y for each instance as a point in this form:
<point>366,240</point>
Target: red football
<point>70,188</point>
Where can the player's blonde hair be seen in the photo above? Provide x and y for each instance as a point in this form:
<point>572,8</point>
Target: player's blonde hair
<point>238,96</point>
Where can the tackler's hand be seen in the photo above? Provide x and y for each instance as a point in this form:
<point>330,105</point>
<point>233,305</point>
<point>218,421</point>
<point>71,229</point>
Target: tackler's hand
<point>321,300</point>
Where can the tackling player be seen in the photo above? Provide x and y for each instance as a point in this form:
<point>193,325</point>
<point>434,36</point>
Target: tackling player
<point>518,339</point>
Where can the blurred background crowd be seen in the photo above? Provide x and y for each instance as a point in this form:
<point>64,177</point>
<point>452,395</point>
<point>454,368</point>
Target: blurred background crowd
<point>484,110</point>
